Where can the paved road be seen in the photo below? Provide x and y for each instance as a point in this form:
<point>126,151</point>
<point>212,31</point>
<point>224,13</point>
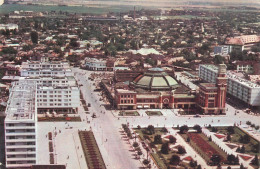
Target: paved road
<point>106,128</point>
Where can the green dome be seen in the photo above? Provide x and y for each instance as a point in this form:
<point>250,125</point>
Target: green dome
<point>155,79</point>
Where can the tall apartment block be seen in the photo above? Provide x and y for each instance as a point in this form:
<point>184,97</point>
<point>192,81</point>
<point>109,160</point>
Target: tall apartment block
<point>20,125</point>
<point>240,88</point>
<point>57,91</point>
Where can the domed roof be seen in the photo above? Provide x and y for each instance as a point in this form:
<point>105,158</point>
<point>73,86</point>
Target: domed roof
<point>155,79</point>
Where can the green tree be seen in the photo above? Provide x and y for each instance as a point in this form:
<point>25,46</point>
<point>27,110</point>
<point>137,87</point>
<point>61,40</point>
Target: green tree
<point>150,129</point>
<point>165,148</point>
<point>184,129</point>
<point>175,160</point>
<point>255,161</point>
<point>215,159</point>
<point>198,128</point>
<point>181,150</point>
<point>172,139</point>
<point>157,139</point>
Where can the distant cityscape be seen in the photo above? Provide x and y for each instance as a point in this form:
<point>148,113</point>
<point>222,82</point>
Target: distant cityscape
<point>161,87</point>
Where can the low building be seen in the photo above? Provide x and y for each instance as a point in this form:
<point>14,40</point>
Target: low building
<point>245,66</point>
<point>9,26</point>
<point>223,50</point>
<point>96,64</point>
<point>244,42</point>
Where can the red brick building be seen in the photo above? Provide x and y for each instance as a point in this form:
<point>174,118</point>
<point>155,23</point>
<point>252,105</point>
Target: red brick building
<point>211,98</point>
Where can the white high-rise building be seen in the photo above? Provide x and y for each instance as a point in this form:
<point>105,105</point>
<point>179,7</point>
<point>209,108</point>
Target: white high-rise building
<point>237,87</point>
<point>56,87</point>
<point>20,125</point>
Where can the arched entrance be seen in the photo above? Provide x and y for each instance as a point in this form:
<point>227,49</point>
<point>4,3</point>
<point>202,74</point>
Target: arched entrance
<point>166,103</point>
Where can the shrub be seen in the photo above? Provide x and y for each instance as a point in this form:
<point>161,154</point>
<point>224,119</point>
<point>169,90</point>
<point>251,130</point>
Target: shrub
<point>248,123</point>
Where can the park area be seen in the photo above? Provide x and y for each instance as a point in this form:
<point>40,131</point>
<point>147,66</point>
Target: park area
<point>239,138</point>
<point>91,151</point>
<point>59,119</point>
<point>164,149</point>
<point>129,113</point>
<point>154,113</point>
<point>240,141</point>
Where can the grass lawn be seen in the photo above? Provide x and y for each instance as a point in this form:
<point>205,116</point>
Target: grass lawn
<point>129,113</point>
<point>58,119</point>
<point>154,113</point>
<point>236,136</point>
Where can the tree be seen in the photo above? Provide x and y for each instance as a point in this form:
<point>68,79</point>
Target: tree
<point>198,128</point>
<point>135,144</point>
<point>256,148</point>
<point>175,160</point>
<point>164,129</point>
<point>193,163</point>
<point>255,161</point>
<point>165,148</point>
<point>238,149</point>
<point>228,137</point>
<point>172,139</point>
<point>150,129</point>
<point>188,139</point>
<point>228,167</point>
<point>243,149</point>
<point>231,130</point>
<point>248,123</point>
<point>215,159</point>
<point>210,139</point>
<point>242,166</point>
<point>34,37</point>
<point>231,159</point>
<point>184,129</point>
<point>146,162</point>
<point>181,150</point>
<point>157,139</point>
<point>74,43</point>
<point>199,167</point>
<point>218,59</point>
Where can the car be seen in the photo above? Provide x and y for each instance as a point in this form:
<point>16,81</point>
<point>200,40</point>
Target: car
<point>197,116</point>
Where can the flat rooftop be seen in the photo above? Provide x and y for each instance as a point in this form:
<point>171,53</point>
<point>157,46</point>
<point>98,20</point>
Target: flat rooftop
<point>21,103</point>
<point>233,76</point>
<point>242,81</point>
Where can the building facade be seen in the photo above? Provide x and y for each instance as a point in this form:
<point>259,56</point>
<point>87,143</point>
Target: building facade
<point>95,64</point>
<point>57,91</point>
<point>242,89</point>
<point>20,126</point>
<point>223,50</point>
